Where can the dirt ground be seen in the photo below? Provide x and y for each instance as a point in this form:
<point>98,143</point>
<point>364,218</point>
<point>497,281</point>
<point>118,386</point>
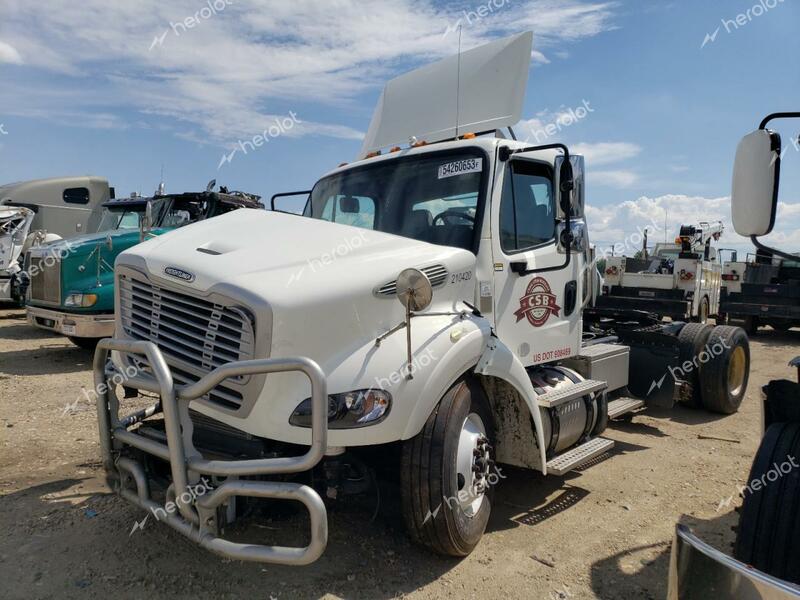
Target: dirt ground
<point>603,532</point>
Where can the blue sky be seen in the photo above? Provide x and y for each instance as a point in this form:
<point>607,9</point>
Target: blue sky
<point>115,90</point>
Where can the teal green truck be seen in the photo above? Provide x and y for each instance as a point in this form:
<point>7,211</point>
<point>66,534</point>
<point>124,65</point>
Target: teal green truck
<point>71,283</point>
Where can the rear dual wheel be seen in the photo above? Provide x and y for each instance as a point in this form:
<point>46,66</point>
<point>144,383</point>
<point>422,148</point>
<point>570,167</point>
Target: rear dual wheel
<point>720,365</point>
<point>447,474</point>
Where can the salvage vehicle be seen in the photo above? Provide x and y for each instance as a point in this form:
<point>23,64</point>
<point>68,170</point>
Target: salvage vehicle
<point>423,322</point>
<point>680,281</point>
<point>15,223</point>
<point>57,208</point>
<point>766,558</point>
<point>765,290</point>
<point>74,295</point>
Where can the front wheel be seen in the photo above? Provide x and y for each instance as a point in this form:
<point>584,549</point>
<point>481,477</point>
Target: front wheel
<point>448,475</point>
<point>767,536</point>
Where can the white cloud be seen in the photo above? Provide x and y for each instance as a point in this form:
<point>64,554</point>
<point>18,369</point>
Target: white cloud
<point>619,178</point>
<point>9,54</point>
<point>234,71</point>
<point>616,223</point>
<point>604,153</point>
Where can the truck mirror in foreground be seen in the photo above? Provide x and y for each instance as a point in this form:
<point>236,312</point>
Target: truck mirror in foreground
<point>755,183</point>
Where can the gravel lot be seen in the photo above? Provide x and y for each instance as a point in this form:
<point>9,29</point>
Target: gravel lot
<point>604,532</point>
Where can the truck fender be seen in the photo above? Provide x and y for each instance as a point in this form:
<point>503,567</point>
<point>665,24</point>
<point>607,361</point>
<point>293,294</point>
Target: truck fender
<point>466,345</point>
<point>497,360</point>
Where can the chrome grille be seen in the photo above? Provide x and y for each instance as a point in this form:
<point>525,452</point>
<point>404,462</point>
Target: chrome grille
<point>45,274</point>
<point>196,335</point>
<point>437,274</point>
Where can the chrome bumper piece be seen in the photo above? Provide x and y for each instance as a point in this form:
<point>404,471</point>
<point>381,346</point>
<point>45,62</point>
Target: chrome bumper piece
<point>76,325</point>
<point>699,572</point>
<point>196,518</point>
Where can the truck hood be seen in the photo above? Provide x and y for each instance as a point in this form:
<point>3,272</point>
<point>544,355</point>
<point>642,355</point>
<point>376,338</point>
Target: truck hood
<point>15,222</point>
<point>302,275</point>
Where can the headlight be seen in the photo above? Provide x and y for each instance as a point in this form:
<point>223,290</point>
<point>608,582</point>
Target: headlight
<point>81,300</point>
<point>350,410</point>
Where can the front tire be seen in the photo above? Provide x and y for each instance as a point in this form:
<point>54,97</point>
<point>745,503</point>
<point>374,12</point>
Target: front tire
<point>768,536</point>
<point>447,473</point>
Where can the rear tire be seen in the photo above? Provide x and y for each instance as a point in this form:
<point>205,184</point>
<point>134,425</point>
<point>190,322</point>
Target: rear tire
<point>768,537</point>
<point>726,371</point>
<point>691,340</point>
<point>439,509</point>
<point>85,343</point>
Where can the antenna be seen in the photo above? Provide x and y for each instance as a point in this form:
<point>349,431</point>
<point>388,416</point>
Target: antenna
<point>458,78</point>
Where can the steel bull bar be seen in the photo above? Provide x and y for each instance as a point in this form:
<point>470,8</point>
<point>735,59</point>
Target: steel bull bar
<point>196,517</point>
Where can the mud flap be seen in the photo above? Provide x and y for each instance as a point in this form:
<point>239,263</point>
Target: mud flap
<point>650,378</point>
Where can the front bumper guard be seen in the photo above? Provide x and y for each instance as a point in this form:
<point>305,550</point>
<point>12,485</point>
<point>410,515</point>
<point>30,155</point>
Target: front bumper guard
<point>196,517</point>
<point>698,571</point>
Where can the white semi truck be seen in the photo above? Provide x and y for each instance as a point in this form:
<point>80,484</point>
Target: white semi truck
<point>680,280</point>
<point>286,366</point>
<point>44,210</point>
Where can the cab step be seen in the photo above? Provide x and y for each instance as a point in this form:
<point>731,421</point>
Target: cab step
<point>623,406</point>
<point>565,394</point>
<point>579,455</point>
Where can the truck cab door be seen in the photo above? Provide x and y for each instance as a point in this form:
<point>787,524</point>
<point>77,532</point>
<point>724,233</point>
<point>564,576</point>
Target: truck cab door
<point>537,315</point>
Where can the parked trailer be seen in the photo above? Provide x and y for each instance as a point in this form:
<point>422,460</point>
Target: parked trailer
<point>680,280</point>
<point>766,558</point>
<point>427,309</point>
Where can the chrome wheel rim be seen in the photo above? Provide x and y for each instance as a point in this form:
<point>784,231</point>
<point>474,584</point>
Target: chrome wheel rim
<point>473,461</point>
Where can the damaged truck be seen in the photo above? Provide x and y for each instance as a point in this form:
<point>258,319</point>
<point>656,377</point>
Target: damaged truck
<point>424,313</point>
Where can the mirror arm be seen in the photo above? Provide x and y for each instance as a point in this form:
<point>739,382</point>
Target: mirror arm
<point>285,194</point>
<point>778,253</point>
<point>778,115</point>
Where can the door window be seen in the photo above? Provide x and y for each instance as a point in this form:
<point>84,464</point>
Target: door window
<point>527,207</point>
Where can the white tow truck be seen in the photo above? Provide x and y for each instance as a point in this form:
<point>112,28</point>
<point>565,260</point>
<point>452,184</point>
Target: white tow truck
<point>680,280</point>
<point>286,367</point>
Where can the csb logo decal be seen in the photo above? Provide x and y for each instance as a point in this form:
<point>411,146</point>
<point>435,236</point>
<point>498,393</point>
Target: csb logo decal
<point>538,303</point>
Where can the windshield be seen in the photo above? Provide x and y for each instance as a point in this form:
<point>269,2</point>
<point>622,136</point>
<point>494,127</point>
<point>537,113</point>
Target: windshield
<point>432,198</point>
<point>166,213</point>
<point>118,219</point>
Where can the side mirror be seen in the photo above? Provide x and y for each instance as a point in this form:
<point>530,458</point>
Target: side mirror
<point>756,171</point>
<point>146,221</point>
<point>566,183</point>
